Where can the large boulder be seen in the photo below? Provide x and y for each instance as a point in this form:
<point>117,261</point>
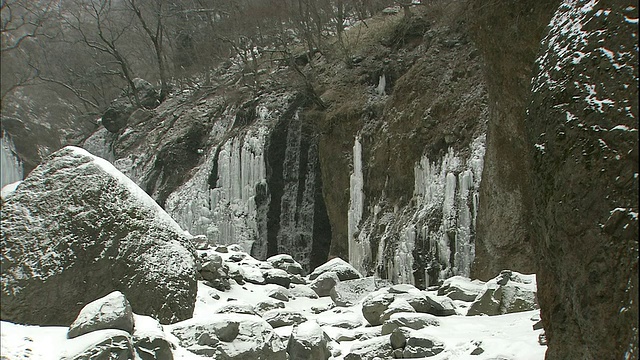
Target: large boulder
<point>308,341</point>
<point>77,229</point>
<point>421,346</point>
<point>374,305</point>
<point>283,317</point>
<point>343,269</point>
<point>110,312</point>
<point>507,293</point>
<point>230,336</point>
<point>117,116</point>
<point>415,321</point>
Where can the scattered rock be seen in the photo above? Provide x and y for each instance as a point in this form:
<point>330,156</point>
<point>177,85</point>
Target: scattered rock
<point>345,320</point>
<point>267,305</point>
<point>287,263</point>
<point>374,305</point>
<point>222,249</point>
<point>237,257</point>
<point>349,292</point>
<point>370,349</point>
<point>216,273</point>
<point>217,336</point>
<point>509,292</point>
<point>419,346</point>
<point>303,291</point>
<point>397,306</point>
<point>402,289</point>
<point>323,284</point>
<point>398,338</point>
<point>149,339</point>
<point>110,312</point>
<point>415,321</point>
<point>342,268</point>
<point>308,341</point>
<point>99,344</point>
<point>278,277</point>
<point>200,242</point>
<point>283,317</point>
<point>461,288</point>
<point>279,294</point>
<point>236,307</point>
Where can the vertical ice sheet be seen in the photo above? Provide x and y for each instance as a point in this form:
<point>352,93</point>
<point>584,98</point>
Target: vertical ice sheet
<point>358,246</point>
<point>11,167</point>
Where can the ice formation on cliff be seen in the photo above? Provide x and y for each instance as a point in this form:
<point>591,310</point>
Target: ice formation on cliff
<point>12,169</point>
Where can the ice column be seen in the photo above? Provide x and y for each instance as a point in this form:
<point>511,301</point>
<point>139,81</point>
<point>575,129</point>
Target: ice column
<point>357,248</point>
<point>12,168</point>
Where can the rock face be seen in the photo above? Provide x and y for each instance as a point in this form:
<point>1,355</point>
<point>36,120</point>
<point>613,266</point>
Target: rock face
<point>77,229</point>
<point>583,132</point>
<point>504,238</point>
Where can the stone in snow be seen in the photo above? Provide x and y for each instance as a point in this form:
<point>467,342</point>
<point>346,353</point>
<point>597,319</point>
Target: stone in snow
<point>308,341</point>
<point>461,288</point>
<point>415,321</point>
<point>342,268</point>
<point>77,228</point>
<point>369,349</point>
<point>507,293</point>
<point>283,317</point>
<point>287,263</point>
<point>110,312</point>
<point>349,292</point>
<point>323,284</point>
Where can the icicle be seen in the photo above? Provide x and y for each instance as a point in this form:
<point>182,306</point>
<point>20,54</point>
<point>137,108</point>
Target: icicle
<point>12,168</point>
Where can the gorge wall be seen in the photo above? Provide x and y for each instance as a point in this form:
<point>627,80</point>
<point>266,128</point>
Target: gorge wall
<point>560,187</point>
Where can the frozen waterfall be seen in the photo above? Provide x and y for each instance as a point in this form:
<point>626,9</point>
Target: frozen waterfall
<point>12,169</point>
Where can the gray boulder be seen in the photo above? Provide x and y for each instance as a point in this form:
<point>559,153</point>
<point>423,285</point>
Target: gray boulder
<point>287,263</point>
<point>342,268</point>
<point>99,344</point>
<point>377,347</point>
<point>421,346</point>
<point>236,307</point>
<point>149,339</point>
<point>430,304</point>
<point>266,305</point>
<point>461,288</point>
<point>283,317</point>
<point>230,336</point>
<point>397,306</point>
<point>415,321</point>
<point>349,292</point>
<point>110,312</point>
<point>277,276</point>
<point>323,284</point>
<point>279,294</point>
<point>374,305</point>
<point>308,341</point>
<point>303,291</point>
<point>80,229</point>
<point>215,272</point>
<point>509,292</point>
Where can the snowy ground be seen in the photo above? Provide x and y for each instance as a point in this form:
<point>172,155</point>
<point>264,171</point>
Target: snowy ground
<point>508,336</point>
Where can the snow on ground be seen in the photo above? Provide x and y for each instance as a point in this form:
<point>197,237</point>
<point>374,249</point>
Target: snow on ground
<point>509,336</point>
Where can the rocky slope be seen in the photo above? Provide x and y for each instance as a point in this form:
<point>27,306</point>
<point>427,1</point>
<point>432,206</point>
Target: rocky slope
<point>384,173</point>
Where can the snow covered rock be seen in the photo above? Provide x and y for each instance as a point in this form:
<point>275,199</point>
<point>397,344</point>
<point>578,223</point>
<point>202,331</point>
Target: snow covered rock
<point>149,339</point>
<point>236,307</point>
<point>279,293</point>
<point>323,284</point>
<point>110,312</point>
<point>341,318</point>
<point>374,305</point>
<point>100,344</point>
<point>415,321</point>
<point>461,288</point>
<point>303,291</point>
<point>342,268</point>
<point>397,306</point>
<point>421,346</point>
<point>430,304</point>
<point>377,347</point>
<point>266,305</point>
<point>507,293</point>
<point>215,272</point>
<point>230,336</point>
<point>349,292</point>
<point>278,277</point>
<point>308,341</point>
<point>287,263</point>
<point>77,228</point>
<point>283,317</point>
